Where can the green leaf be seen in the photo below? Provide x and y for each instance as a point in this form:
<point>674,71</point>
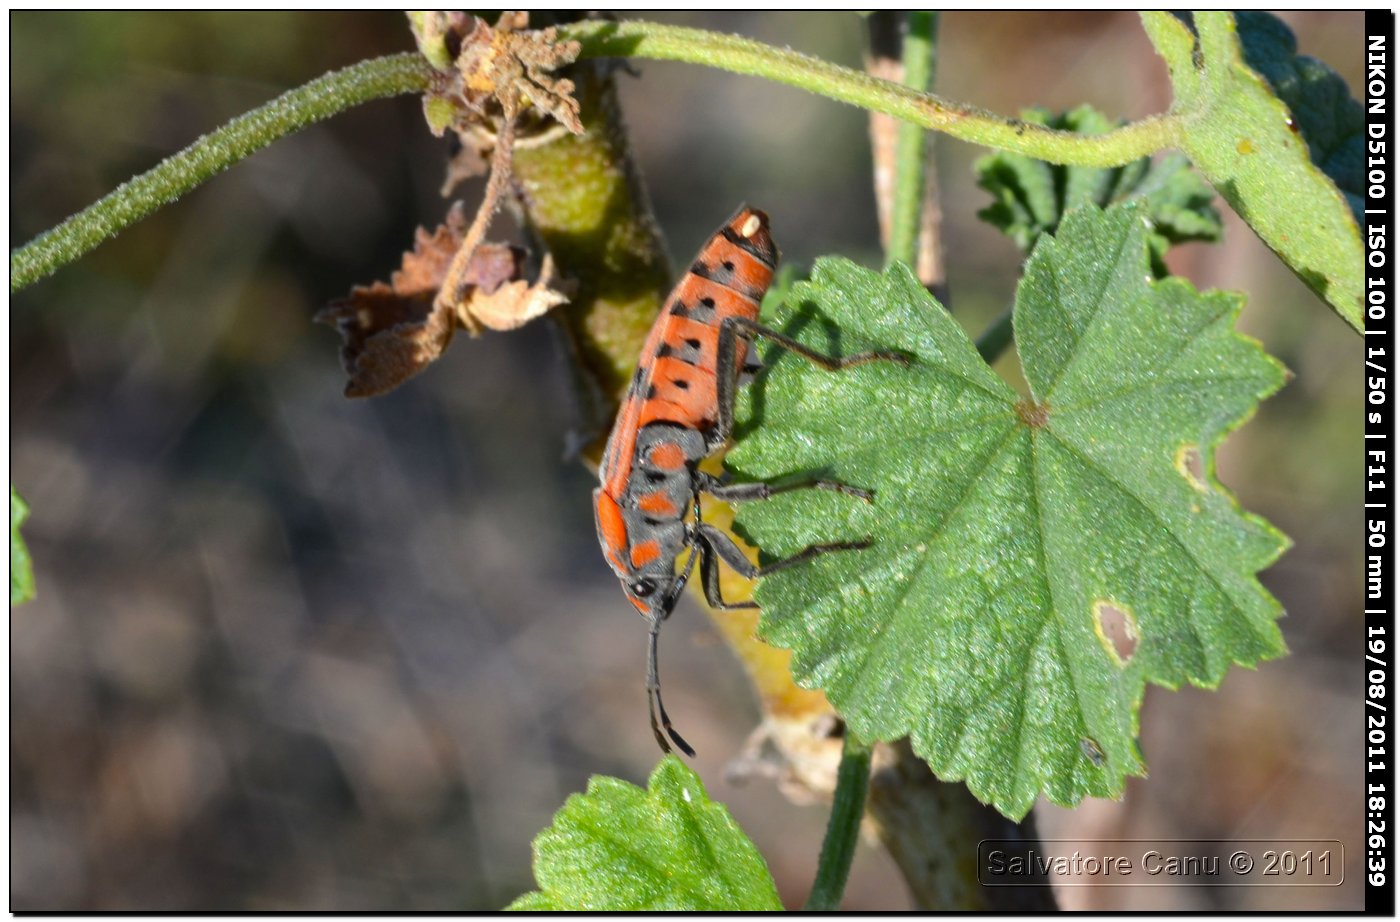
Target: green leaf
<point>1279,170</point>
<point>1031,196</point>
<point>21,569</point>
<point>669,847</point>
<point>1329,120</point>
<point>1007,531</point>
<point>430,30</point>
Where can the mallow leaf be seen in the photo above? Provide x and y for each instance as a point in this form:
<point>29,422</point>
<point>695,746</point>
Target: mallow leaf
<point>1035,561</point>
<point>619,848</point>
<point>1031,196</point>
<point>1324,113</point>
<point>1277,136</point>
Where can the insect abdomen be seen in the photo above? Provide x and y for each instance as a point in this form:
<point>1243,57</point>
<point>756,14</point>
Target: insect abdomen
<point>727,279</point>
<point>675,379</point>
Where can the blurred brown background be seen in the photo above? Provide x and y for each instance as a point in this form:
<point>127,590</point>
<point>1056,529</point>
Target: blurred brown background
<point>296,652</point>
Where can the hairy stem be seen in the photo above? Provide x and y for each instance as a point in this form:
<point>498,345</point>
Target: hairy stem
<point>744,56</point>
<point>910,157</point>
<point>843,828</point>
<point>211,154</point>
<point>454,282</point>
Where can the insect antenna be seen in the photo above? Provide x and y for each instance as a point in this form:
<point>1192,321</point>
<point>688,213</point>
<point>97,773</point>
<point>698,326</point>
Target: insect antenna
<point>654,703</point>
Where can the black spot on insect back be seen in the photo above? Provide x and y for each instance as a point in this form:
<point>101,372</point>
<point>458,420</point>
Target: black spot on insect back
<point>761,249</point>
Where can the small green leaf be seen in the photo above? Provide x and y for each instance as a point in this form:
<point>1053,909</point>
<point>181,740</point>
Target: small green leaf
<point>1035,561</point>
<point>1031,196</point>
<point>1280,170</point>
<point>440,113</point>
<point>669,847</point>
<point>21,569</point>
<point>430,30</point>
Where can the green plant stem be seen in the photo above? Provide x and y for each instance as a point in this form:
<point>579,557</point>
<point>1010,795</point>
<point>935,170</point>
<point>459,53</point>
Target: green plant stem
<point>911,159</point>
<point>843,828</point>
<point>133,200</point>
<point>745,56</point>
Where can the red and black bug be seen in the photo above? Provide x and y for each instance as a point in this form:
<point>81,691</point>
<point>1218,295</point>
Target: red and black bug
<point>680,410</point>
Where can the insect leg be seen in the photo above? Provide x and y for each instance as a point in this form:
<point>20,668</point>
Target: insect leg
<point>709,576</point>
<point>716,545</point>
<point>684,575</point>
<point>727,371</point>
<point>829,362</point>
<point>742,492</point>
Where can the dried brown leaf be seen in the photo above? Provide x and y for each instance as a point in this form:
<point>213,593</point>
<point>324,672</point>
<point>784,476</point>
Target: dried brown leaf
<point>389,338</point>
<point>514,303</point>
<point>393,331</point>
<point>506,64</point>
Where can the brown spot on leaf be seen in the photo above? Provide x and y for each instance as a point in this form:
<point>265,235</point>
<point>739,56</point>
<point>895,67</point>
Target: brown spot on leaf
<point>1033,414</point>
<point>1092,751</point>
<point>1188,464</point>
<point>1117,630</point>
